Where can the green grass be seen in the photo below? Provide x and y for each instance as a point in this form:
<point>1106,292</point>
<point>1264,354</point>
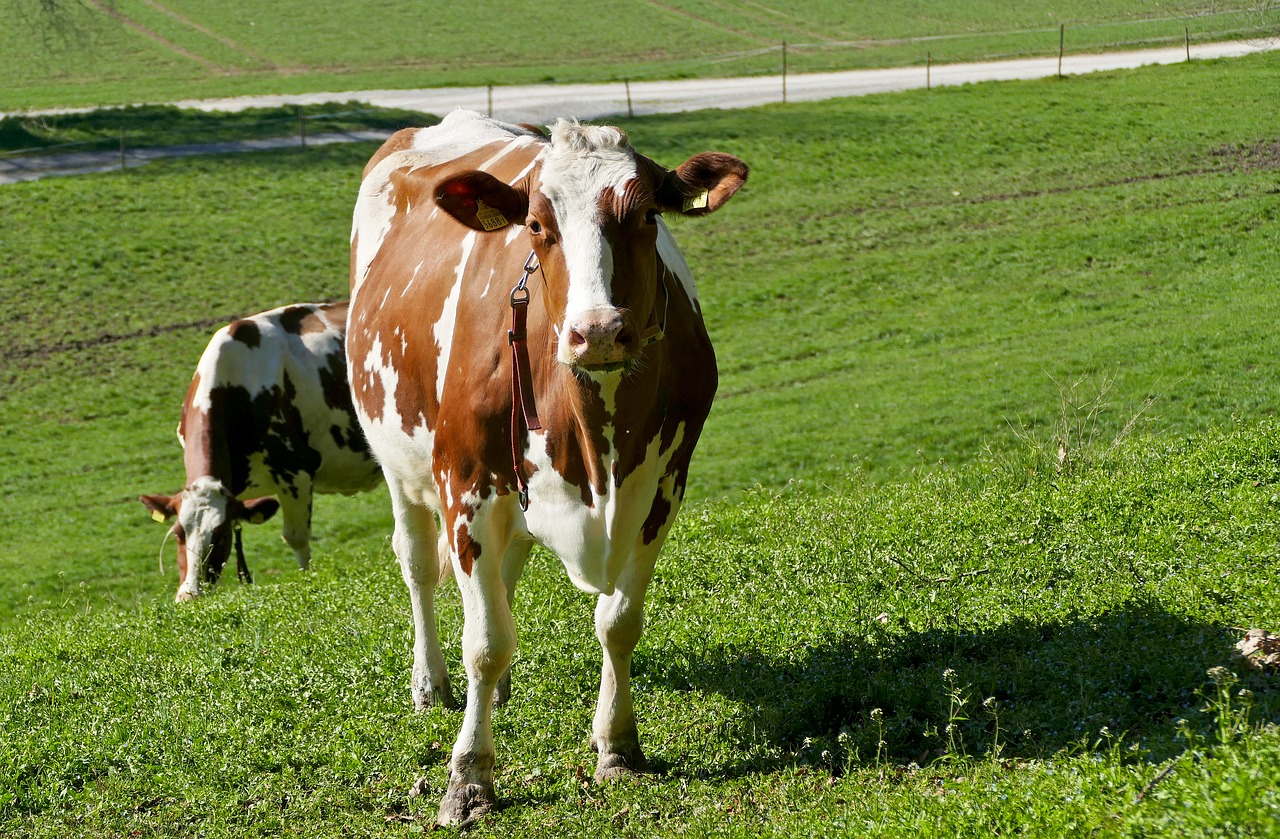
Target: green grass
<point>181,49</point>
<point>877,499</point>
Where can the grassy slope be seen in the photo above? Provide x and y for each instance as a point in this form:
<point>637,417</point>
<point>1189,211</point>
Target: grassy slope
<point>867,318</point>
<point>211,48</point>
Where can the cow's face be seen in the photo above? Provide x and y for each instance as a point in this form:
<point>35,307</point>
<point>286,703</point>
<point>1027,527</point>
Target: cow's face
<point>591,210</point>
<point>207,516</point>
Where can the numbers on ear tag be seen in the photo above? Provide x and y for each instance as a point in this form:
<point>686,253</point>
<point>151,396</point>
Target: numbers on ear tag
<point>490,218</point>
<point>697,202</point>
<point>156,515</point>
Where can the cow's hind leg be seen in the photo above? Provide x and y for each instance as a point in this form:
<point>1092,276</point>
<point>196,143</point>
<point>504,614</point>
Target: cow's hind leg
<point>488,645</point>
<point>414,542</point>
<point>512,567</point>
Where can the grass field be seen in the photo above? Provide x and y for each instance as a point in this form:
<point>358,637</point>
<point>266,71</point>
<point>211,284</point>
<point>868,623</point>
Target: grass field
<point>914,300</point>
<point>145,51</point>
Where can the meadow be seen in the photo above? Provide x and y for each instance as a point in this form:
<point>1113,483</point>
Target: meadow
<point>142,51</point>
<point>989,494</point>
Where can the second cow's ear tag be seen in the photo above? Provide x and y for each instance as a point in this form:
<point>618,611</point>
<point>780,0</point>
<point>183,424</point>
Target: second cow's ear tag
<point>696,202</point>
<point>490,218</point>
<point>256,518</point>
<point>156,515</point>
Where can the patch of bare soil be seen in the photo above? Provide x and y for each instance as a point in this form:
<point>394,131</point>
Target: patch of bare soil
<point>1264,155</point>
<point>1260,650</point>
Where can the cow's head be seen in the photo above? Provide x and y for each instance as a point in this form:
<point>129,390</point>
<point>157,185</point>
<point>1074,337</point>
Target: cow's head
<point>591,209</point>
<point>207,515</point>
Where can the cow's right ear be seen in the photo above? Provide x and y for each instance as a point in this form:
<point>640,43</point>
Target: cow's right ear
<point>481,201</point>
<point>162,507</point>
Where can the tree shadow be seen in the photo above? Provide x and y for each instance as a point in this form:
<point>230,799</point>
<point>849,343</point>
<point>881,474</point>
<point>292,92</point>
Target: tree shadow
<point>1088,681</point>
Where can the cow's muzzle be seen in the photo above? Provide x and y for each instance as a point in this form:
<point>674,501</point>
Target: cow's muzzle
<point>599,339</point>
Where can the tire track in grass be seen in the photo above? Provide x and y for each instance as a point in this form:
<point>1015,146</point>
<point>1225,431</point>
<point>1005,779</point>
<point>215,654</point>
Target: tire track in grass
<point>209,33</point>
<point>157,38</point>
<point>706,21</point>
<point>734,8</point>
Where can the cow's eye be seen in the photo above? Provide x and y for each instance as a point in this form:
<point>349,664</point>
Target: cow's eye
<point>535,227</point>
<point>651,217</point>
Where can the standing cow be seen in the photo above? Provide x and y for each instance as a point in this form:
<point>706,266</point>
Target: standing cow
<point>268,413</point>
<point>574,431</point>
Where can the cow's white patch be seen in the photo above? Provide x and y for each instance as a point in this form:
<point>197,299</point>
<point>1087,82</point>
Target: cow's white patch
<point>673,258</point>
<point>443,330</point>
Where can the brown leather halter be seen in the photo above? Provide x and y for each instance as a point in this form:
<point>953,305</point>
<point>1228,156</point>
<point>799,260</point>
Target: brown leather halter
<point>522,404</point>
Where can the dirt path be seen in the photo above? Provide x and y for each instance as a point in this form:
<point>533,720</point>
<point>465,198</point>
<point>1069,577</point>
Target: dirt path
<point>543,103</point>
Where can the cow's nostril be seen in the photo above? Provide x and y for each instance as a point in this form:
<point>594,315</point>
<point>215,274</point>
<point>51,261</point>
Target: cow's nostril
<point>623,338</point>
<point>576,338</point>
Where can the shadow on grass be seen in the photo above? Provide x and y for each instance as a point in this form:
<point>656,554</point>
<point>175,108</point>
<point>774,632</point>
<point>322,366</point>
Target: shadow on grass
<point>1131,672</point>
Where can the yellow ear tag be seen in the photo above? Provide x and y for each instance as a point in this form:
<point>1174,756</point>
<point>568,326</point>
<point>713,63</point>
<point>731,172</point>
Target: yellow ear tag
<point>156,515</point>
<point>696,202</point>
<point>490,218</point>
<point>256,518</point>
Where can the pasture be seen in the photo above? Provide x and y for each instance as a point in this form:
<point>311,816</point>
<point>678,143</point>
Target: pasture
<point>915,300</point>
<point>145,51</point>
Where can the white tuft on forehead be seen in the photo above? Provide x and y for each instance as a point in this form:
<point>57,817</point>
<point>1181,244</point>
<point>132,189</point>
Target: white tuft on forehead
<point>571,135</point>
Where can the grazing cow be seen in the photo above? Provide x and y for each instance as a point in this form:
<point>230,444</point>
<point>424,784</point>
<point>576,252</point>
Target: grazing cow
<point>268,412</point>
<point>606,388</point>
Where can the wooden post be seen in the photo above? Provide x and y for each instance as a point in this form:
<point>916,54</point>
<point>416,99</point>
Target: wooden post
<point>630,112</point>
<point>1186,31</point>
<point>928,70</point>
<point>491,101</point>
<point>784,71</point>
<point>302,128</point>
<point>1062,45</point>
<point>122,149</point>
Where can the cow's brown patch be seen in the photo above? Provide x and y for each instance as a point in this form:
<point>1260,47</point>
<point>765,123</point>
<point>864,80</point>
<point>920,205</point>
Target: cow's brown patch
<point>246,332</point>
<point>302,320</point>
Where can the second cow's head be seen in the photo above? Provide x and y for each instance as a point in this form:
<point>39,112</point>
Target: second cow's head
<point>592,211</point>
<point>207,515</point>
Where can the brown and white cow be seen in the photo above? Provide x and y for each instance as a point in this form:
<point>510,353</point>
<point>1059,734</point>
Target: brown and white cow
<point>268,413</point>
<point>623,377</point>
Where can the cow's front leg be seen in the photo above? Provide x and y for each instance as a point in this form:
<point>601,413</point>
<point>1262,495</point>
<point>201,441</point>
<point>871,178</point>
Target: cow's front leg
<point>488,645</point>
<point>296,513</point>
<point>619,623</point>
<point>414,542</point>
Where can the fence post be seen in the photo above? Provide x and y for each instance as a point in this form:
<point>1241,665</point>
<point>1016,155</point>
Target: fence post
<point>784,72</point>
<point>630,112</point>
<point>302,128</point>
<point>1186,31</point>
<point>1062,45</point>
<point>122,149</point>
<point>491,101</point>
<point>928,70</point>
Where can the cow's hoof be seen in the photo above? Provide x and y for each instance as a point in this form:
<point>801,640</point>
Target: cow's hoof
<point>433,696</point>
<point>184,597</point>
<point>613,766</point>
<point>464,804</point>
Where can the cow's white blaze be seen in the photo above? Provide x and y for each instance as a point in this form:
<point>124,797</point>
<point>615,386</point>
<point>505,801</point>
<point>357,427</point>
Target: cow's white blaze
<point>203,511</point>
<point>583,163</point>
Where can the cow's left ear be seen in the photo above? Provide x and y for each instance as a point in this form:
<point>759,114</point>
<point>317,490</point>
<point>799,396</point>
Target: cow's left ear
<point>257,510</point>
<point>162,507</point>
<point>702,184</point>
<point>481,201</point>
